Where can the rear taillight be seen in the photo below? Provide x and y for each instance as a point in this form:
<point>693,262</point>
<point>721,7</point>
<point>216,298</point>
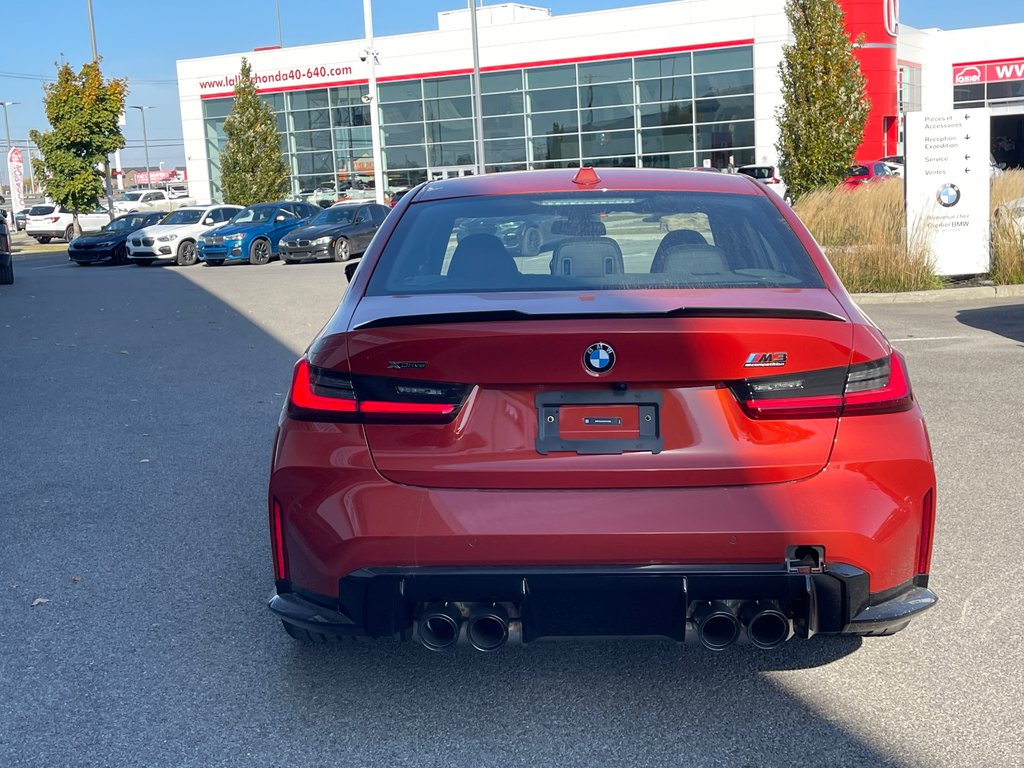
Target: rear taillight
<point>319,394</point>
<point>924,546</point>
<point>54,219</point>
<point>5,244</point>
<point>773,181</point>
<point>878,386</point>
<point>277,540</point>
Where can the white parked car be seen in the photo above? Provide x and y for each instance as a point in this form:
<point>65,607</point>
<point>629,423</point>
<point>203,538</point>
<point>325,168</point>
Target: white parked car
<point>769,176</point>
<point>47,221</point>
<point>174,238</point>
<point>150,200</point>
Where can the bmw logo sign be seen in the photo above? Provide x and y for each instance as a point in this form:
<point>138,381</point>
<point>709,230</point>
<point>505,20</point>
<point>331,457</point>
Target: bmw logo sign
<point>599,358</point>
<point>949,195</point>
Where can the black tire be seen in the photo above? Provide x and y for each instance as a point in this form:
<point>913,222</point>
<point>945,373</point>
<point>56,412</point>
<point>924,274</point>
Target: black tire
<point>44,239</point>
<point>186,255</point>
<point>532,241</point>
<point>259,252</point>
<point>788,199</point>
<point>342,250</point>
<point>7,274</point>
<point>120,256</point>
<point>69,233</point>
<point>143,262</point>
<point>214,262</point>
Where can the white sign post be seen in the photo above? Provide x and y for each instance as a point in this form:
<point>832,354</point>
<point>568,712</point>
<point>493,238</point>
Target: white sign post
<point>947,188</point>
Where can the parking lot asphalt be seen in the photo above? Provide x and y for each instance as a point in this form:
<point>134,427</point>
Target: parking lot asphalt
<point>137,412</point>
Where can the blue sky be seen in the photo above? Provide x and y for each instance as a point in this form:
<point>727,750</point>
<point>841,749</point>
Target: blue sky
<point>142,40</point>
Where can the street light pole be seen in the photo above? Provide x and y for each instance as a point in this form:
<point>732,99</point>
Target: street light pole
<point>106,160</point>
<point>277,9</point>
<point>145,141</point>
<point>371,99</point>
<point>478,116</point>
<point>10,181</point>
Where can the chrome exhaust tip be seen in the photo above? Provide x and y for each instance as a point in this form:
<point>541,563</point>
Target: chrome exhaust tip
<point>487,628</point>
<point>717,625</point>
<point>438,627</point>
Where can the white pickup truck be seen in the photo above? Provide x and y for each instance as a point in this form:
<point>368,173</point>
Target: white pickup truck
<point>149,200</point>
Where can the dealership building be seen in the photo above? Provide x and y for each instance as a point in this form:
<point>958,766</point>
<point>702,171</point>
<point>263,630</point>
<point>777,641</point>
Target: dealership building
<point>669,85</point>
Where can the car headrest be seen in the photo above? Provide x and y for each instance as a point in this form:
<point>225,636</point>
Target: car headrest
<point>481,258</point>
<point>590,257</point>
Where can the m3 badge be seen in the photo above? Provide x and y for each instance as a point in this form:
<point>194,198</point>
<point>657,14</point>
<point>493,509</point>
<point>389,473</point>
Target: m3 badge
<point>766,360</point>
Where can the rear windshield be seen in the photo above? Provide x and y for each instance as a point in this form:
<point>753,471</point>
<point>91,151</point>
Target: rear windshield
<point>758,172</point>
<point>858,170</point>
<point>592,241</point>
<point>41,210</point>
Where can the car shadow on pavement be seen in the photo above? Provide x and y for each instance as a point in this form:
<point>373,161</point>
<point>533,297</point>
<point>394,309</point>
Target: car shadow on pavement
<point>139,415</point>
<point>1005,319</point>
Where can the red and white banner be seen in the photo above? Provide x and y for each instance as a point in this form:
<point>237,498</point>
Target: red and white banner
<point>988,72</point>
<point>159,177</point>
<point>16,174</point>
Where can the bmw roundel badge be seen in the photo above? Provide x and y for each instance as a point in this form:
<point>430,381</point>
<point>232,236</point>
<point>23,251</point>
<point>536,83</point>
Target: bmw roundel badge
<point>599,358</point>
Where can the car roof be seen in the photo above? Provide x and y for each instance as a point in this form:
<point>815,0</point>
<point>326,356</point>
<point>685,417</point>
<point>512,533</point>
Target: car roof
<point>561,180</point>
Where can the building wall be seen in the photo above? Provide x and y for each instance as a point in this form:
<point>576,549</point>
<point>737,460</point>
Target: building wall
<point>535,41</point>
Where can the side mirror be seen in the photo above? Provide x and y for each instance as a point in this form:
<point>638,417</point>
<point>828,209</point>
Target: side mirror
<point>208,221</point>
<point>279,218</point>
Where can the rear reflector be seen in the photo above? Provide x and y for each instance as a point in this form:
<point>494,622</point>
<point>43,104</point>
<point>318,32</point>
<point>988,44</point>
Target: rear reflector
<point>319,394</point>
<point>277,540</point>
<point>924,546</point>
<point>878,386</point>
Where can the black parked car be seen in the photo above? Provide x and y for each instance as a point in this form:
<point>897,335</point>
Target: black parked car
<point>342,231</point>
<point>111,242</point>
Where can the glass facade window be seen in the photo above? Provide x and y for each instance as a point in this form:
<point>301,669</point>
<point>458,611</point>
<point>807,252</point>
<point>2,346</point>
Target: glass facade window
<point>669,111</point>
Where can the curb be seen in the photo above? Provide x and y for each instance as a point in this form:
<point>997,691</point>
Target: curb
<point>942,294</point>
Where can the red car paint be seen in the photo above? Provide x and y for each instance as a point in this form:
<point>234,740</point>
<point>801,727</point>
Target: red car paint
<point>361,486</point>
<point>867,173</point>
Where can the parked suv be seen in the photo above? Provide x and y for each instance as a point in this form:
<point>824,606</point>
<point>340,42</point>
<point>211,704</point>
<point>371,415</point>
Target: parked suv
<point>769,176</point>
<point>48,221</point>
<point>174,238</point>
<point>254,232</point>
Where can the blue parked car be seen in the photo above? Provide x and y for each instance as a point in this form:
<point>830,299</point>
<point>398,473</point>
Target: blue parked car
<point>252,234</point>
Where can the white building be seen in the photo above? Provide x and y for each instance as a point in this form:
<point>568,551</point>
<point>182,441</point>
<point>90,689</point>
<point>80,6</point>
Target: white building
<point>677,84</point>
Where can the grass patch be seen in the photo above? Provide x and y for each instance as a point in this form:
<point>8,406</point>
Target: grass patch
<point>863,233</point>
<point>1007,233</point>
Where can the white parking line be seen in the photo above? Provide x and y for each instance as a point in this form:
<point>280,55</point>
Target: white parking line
<point>928,338</point>
<point>51,266</point>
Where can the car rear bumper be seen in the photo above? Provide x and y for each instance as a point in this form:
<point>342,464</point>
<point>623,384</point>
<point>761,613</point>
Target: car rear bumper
<point>663,600</point>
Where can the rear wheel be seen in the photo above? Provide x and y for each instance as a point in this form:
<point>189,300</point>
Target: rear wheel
<point>214,262</point>
<point>259,252</point>
<point>69,233</point>
<point>186,254</point>
<point>532,242</point>
<point>342,250</point>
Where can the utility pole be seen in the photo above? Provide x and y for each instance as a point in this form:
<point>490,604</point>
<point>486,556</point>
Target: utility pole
<point>478,112</point>
<point>106,162</point>
<point>145,142</point>
<point>277,9</point>
<point>10,181</point>
<point>371,98</point>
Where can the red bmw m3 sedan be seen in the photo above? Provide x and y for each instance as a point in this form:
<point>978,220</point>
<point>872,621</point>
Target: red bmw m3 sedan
<point>672,420</point>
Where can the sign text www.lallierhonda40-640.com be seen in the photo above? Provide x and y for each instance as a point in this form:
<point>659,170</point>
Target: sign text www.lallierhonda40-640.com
<point>279,79</point>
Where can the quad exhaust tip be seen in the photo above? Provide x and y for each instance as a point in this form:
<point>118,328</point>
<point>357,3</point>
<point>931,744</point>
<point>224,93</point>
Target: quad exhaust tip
<point>487,628</point>
<point>767,626</point>
<point>717,625</point>
<point>439,627</point>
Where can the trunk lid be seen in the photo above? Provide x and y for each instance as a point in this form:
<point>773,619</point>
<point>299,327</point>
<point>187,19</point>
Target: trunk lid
<point>662,415</point>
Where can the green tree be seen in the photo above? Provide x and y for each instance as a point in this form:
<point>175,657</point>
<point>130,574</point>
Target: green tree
<point>824,106</point>
<point>83,111</point>
<point>252,169</point>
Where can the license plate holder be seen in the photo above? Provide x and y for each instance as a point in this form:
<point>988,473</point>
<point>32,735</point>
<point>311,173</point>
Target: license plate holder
<point>620,422</point>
